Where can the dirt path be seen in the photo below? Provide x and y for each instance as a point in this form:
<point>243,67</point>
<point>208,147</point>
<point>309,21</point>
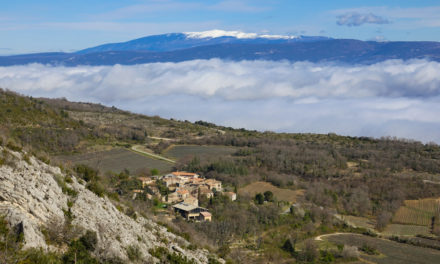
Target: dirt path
<point>138,149</point>
<point>432,182</point>
<point>319,238</point>
<point>161,138</point>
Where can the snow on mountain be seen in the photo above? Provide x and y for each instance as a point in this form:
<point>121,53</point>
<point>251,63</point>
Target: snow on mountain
<point>216,33</point>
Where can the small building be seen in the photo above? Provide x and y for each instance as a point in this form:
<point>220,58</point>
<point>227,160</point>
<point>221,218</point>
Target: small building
<point>182,193</point>
<point>170,181</point>
<point>188,211</point>
<point>146,181</point>
<point>205,216</point>
<point>214,184</point>
<point>172,198</point>
<point>205,191</point>
<point>191,200</point>
<point>231,195</point>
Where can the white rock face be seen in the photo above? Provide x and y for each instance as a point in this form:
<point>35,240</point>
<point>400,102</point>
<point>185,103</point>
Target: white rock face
<point>29,195</point>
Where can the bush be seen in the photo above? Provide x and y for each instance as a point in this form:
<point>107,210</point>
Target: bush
<point>259,198</point>
<point>350,252</point>
<point>289,247</point>
<point>165,256</point>
<point>369,249</point>
<point>38,256</point>
<point>13,146</point>
<point>134,253</point>
<point>89,240</point>
<point>96,188</point>
<point>268,196</point>
<point>86,173</point>
<point>77,253</point>
<point>310,252</point>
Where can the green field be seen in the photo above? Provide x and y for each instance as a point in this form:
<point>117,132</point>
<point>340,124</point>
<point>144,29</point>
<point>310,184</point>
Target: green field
<point>203,152</point>
<point>117,160</point>
<point>393,252</point>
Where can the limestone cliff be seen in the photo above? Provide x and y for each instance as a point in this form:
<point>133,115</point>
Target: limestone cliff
<point>32,196</point>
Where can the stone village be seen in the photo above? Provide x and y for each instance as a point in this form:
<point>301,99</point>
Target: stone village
<point>185,190</point>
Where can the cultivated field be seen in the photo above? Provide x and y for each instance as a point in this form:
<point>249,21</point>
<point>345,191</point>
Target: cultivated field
<point>357,221</point>
<point>405,230</point>
<point>203,152</point>
<point>417,212</point>
<point>391,252</point>
<point>280,194</point>
<point>117,160</point>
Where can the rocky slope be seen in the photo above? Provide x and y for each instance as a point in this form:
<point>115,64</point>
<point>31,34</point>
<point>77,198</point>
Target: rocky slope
<point>36,197</point>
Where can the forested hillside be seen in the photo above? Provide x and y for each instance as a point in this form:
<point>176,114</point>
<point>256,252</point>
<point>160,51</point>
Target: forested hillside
<point>333,177</point>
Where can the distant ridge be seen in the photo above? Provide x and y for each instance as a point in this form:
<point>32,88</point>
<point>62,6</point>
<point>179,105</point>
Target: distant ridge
<point>235,46</point>
<point>177,41</point>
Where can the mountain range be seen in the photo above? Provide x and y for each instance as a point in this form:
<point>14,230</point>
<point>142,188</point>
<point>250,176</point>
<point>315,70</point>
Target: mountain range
<point>234,45</point>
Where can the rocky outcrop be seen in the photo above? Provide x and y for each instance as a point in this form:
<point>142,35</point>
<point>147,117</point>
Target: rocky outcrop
<point>32,196</point>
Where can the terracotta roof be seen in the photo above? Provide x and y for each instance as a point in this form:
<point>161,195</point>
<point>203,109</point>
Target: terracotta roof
<point>182,191</point>
<point>183,173</point>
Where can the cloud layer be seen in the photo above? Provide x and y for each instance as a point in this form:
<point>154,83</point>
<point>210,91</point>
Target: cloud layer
<point>357,19</point>
<point>393,98</point>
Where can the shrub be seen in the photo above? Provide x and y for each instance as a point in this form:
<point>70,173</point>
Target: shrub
<point>96,188</point>
<point>86,173</point>
<point>310,252</point>
<point>38,256</point>
<point>77,253</point>
<point>165,256</point>
<point>268,196</point>
<point>89,240</point>
<point>350,252</point>
<point>259,198</point>
<point>289,247</point>
<point>134,253</point>
<point>13,146</point>
<point>369,249</point>
<point>64,188</point>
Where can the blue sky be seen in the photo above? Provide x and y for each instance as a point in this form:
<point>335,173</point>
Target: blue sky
<point>45,25</point>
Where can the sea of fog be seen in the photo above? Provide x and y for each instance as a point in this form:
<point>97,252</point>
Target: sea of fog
<point>392,98</point>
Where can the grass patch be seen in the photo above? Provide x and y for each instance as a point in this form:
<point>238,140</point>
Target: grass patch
<point>279,193</point>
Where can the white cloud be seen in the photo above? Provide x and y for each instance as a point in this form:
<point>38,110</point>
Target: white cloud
<point>403,18</point>
<point>357,19</point>
<point>396,98</point>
